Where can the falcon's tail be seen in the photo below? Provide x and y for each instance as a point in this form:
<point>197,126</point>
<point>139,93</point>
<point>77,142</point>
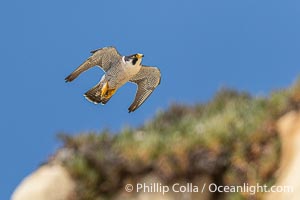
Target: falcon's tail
<point>94,95</point>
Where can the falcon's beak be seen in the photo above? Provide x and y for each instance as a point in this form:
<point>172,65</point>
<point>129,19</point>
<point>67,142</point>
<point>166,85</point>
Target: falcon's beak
<point>139,55</point>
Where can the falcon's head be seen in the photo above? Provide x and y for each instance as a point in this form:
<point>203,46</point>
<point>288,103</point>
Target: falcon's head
<point>134,59</point>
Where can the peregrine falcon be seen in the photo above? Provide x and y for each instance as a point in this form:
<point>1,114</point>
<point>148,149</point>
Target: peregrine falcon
<point>118,70</point>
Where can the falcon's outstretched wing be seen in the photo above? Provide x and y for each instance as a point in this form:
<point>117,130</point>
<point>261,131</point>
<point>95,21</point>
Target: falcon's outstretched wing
<point>147,79</point>
<point>103,57</point>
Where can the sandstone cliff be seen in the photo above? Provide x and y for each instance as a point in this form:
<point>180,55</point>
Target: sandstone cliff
<point>232,140</point>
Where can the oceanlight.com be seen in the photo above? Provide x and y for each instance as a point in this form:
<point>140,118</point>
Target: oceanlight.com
<point>212,187</point>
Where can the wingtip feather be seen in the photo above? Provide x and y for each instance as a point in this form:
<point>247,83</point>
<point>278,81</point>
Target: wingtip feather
<point>70,78</point>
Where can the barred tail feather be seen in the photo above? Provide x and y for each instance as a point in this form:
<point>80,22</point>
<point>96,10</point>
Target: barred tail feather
<point>94,95</point>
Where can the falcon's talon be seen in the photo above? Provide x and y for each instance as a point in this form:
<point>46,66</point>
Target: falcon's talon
<point>118,70</point>
<point>110,93</point>
<point>104,89</point>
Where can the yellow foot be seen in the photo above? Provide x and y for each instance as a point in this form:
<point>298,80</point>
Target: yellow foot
<point>106,92</point>
<point>109,93</point>
<point>104,89</point>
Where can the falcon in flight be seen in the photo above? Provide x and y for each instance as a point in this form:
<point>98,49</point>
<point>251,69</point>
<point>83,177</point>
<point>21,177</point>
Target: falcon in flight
<point>118,70</point>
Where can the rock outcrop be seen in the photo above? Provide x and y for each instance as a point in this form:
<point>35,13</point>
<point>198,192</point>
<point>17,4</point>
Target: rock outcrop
<point>289,172</point>
<point>49,182</point>
<point>231,140</point>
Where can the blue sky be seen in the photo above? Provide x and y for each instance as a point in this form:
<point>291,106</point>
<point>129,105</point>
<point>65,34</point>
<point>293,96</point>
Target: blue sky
<point>199,46</point>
